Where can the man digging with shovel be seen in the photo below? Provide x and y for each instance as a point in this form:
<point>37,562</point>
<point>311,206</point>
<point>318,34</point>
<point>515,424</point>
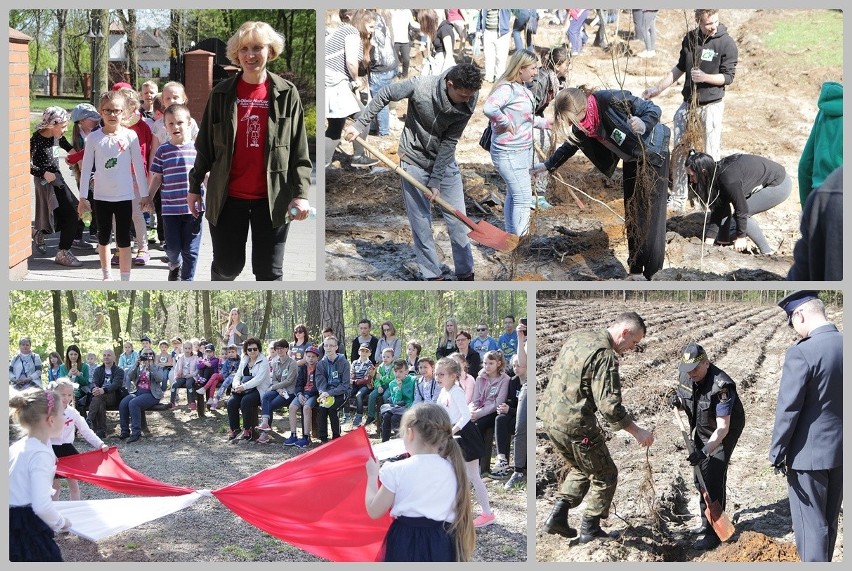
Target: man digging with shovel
<point>716,420</point>
<point>439,108</point>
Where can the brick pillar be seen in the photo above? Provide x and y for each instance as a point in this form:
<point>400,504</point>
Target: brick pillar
<point>21,194</point>
<point>198,80</point>
<point>54,84</point>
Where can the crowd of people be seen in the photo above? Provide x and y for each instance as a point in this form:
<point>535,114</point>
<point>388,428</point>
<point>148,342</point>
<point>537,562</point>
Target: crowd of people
<point>478,381</point>
<point>608,126</point>
<point>142,161</point>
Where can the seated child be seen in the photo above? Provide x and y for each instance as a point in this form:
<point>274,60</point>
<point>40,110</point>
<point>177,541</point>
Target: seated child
<point>362,373</point>
<point>306,393</point>
<point>427,388</point>
<point>227,370</point>
<point>399,396</point>
<point>383,377</point>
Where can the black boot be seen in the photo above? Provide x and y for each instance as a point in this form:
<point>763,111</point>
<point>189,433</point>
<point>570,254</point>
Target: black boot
<point>557,521</point>
<point>709,541</point>
<point>590,529</point>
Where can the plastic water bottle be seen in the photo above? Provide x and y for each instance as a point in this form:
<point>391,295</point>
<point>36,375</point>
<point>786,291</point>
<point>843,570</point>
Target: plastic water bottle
<point>312,213</point>
<point>87,218</point>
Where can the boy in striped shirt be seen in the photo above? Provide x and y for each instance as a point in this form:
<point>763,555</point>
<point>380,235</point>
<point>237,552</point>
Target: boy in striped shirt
<point>170,168</point>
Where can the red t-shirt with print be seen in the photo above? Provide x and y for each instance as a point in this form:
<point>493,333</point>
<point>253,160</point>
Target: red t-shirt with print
<point>248,166</point>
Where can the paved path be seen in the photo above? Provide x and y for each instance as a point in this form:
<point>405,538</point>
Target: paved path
<point>300,255</point>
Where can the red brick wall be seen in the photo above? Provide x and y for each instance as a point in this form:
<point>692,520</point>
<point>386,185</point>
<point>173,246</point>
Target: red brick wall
<point>20,182</point>
<point>198,80</point>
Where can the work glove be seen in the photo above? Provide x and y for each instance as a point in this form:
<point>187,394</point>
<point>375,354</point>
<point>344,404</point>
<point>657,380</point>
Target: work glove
<point>780,469</point>
<point>538,168</point>
<point>674,402</point>
<point>696,457</point>
<point>637,125</point>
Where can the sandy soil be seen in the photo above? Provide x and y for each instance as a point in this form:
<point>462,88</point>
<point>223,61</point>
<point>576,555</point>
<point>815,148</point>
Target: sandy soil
<point>367,234</point>
<point>656,502</point>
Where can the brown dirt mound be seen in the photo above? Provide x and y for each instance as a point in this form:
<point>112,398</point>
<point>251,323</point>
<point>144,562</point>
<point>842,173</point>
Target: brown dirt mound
<point>753,546</point>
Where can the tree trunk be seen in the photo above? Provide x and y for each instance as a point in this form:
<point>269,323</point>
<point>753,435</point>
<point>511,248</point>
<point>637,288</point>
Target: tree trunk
<point>331,315</point>
<point>114,321</point>
<point>130,312</point>
<point>208,326</point>
<point>146,313</point>
<point>72,315</point>
<point>267,310</point>
<point>165,309</point>
<point>56,295</point>
<point>102,54</point>
<point>61,28</point>
<point>132,52</point>
<point>313,315</point>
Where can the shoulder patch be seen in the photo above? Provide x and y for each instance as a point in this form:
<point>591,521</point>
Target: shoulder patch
<point>723,395</point>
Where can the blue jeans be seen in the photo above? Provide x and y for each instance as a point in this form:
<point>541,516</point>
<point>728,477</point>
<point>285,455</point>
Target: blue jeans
<point>378,80</point>
<point>183,382</point>
<point>183,240</point>
<point>575,32</point>
<point>514,167</point>
<point>359,393</point>
<point>419,211</point>
<point>272,401</point>
<point>132,407</point>
<point>371,402</point>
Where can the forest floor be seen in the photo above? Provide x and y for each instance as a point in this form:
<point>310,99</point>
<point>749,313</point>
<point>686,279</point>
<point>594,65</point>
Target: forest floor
<point>656,501</point>
<point>367,231</point>
<point>186,450</point>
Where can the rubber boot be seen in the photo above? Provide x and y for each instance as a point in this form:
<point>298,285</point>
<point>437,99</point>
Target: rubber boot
<point>557,521</point>
<point>708,541</point>
<point>330,146</point>
<point>590,529</point>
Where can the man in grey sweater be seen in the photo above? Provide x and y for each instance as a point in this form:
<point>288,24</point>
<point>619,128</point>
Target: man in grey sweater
<point>439,108</point>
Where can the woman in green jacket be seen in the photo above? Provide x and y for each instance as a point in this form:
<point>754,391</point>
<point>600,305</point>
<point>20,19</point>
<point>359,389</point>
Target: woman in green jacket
<point>252,142</point>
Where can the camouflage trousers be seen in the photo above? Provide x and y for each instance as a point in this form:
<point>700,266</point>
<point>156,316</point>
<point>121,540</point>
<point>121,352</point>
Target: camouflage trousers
<point>590,470</point>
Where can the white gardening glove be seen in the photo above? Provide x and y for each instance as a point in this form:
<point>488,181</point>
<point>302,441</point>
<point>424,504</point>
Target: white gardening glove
<point>636,125</point>
<point>538,168</point>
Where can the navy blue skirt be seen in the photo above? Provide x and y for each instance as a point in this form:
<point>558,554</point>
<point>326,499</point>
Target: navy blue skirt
<point>419,539</point>
<point>471,443</point>
<point>60,450</point>
<point>30,539</point>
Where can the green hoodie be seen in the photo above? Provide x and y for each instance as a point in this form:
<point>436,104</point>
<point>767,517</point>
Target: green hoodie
<point>824,150</point>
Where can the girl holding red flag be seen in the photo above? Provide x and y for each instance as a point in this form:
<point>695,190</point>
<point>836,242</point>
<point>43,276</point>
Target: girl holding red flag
<point>425,493</point>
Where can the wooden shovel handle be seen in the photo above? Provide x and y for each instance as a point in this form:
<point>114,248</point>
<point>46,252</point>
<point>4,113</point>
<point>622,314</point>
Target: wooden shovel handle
<point>576,198</point>
<point>417,184</point>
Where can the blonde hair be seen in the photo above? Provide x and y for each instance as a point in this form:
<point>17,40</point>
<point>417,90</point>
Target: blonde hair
<point>27,408</point>
<point>444,338</point>
<point>458,358</point>
<point>151,83</point>
<point>112,97</point>
<point>131,96</point>
<point>432,424</point>
<point>178,88</point>
<point>260,32</point>
<point>569,109</point>
<point>450,365</point>
<point>519,60</point>
<point>61,383</point>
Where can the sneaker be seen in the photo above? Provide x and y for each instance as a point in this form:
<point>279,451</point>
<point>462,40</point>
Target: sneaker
<point>356,422</point>
<point>264,425</point>
<point>40,244</point>
<point>484,519</point>
<point>174,274</point>
<point>201,391</point>
<point>646,54</point>
<point>291,440</point>
<point>193,406</point>
<point>114,260</point>
<point>468,277</point>
<point>209,403</point>
<point>370,420</point>
<point>516,480</point>
<point>66,258</point>
<point>363,161</point>
<point>303,442</point>
<point>82,245</point>
<point>500,470</point>
<point>248,434</point>
<point>232,434</point>
<point>215,404</point>
<point>142,258</point>
<point>263,438</point>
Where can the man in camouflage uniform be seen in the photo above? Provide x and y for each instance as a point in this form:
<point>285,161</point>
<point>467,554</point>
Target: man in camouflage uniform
<point>584,380</point>
<point>716,420</point>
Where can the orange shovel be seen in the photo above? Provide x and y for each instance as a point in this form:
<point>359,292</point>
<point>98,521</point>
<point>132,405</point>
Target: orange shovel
<point>715,515</point>
<point>481,232</point>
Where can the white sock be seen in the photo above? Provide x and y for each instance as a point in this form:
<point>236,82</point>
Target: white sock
<point>125,276</point>
<point>107,273</point>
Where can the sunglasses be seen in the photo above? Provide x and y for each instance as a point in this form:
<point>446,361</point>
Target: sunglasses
<point>482,329</point>
<point>252,349</point>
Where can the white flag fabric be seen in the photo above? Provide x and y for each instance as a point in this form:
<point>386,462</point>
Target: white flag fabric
<point>96,519</point>
<point>389,449</point>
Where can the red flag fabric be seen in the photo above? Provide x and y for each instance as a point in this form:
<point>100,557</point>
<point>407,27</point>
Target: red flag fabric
<point>315,501</point>
<point>108,470</point>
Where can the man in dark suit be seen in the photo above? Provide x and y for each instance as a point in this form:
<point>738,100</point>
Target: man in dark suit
<point>807,441</point>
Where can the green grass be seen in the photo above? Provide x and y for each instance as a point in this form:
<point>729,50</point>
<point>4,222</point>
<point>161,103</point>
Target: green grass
<point>40,103</point>
<point>812,41</point>
<point>311,121</point>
